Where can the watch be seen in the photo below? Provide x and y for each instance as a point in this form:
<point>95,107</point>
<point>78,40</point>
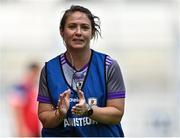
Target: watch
<point>89,111</point>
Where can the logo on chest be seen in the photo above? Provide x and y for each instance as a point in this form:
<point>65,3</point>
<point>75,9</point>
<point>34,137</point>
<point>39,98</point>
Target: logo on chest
<point>74,100</point>
<point>92,101</point>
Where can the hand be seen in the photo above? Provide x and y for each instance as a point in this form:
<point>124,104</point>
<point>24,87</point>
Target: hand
<point>81,108</point>
<point>63,102</point>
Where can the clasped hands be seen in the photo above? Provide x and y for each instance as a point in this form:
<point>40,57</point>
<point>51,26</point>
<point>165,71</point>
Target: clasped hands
<point>64,101</point>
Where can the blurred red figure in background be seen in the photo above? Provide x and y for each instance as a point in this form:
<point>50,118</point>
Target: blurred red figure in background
<point>24,104</point>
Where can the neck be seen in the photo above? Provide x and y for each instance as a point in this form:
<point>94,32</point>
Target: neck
<point>78,58</point>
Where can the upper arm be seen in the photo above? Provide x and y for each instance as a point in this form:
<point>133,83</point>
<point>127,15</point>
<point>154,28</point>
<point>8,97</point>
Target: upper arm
<point>115,82</point>
<point>115,87</point>
<point>43,108</point>
<point>43,94</point>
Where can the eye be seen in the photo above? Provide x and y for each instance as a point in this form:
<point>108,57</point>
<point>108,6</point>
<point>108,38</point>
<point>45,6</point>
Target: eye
<point>71,26</point>
<point>85,27</point>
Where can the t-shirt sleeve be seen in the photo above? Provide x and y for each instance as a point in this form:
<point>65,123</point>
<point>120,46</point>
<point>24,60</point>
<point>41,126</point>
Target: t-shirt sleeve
<point>115,82</point>
<point>43,94</point>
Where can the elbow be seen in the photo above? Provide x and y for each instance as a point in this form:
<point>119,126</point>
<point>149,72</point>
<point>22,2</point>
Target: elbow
<point>115,121</point>
<point>117,118</point>
<point>43,121</point>
<point>45,124</point>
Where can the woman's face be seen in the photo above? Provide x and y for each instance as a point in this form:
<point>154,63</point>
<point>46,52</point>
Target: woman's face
<point>77,31</point>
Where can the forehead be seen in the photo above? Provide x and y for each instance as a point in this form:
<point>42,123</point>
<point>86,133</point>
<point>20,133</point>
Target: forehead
<point>78,17</point>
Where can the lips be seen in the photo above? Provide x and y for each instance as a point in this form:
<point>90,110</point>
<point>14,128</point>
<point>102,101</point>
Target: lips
<point>78,40</point>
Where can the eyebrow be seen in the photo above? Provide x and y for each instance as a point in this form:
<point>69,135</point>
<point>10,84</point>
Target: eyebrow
<point>80,24</point>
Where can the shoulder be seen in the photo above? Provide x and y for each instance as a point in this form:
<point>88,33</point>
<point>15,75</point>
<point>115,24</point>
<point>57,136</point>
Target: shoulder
<point>98,53</point>
<point>114,64</point>
<point>54,62</point>
<point>58,57</point>
<point>111,63</point>
<point>113,67</point>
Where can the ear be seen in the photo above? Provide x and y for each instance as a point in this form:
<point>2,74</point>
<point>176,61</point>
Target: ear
<point>92,35</point>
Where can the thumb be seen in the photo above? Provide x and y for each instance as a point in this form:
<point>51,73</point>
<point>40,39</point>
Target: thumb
<point>81,95</point>
<point>67,93</point>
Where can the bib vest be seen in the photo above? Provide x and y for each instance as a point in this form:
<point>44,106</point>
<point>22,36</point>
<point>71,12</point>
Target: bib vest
<point>94,88</point>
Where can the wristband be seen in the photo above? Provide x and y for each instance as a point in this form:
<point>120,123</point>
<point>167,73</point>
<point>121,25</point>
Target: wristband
<point>89,111</point>
<point>61,116</point>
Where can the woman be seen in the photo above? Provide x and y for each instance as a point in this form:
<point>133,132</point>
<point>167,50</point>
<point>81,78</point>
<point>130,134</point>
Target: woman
<point>81,91</point>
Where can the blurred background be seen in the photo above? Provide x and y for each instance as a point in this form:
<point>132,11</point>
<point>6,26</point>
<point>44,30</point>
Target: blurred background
<point>142,35</point>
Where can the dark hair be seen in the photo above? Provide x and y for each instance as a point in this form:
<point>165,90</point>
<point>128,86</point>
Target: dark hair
<point>95,21</point>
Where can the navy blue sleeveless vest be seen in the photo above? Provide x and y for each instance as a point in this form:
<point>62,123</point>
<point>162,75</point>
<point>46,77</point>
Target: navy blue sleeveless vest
<point>94,86</point>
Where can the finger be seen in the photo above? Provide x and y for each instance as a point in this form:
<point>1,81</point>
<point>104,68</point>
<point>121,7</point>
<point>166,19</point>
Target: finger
<point>58,104</point>
<point>79,105</point>
<point>76,112</point>
<point>81,94</point>
<point>73,110</point>
<point>65,101</point>
<point>77,108</point>
<point>60,100</point>
<point>66,98</point>
<point>67,93</point>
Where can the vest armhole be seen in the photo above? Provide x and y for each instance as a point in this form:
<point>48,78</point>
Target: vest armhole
<point>105,72</point>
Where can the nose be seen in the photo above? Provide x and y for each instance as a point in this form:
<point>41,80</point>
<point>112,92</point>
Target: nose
<point>78,31</point>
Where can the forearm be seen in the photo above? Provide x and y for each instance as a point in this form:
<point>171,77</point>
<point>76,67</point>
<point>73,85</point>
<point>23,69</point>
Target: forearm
<point>51,119</point>
<point>107,115</point>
